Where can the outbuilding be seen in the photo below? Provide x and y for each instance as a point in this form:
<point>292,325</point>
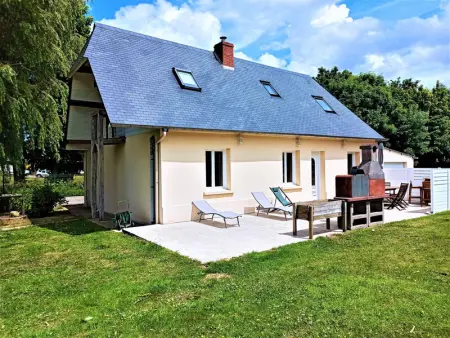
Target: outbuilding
<point>394,159</point>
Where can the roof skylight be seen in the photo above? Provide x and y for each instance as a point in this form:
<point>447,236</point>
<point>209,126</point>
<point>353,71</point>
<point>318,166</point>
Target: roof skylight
<point>186,79</point>
<point>325,106</point>
<point>270,88</point>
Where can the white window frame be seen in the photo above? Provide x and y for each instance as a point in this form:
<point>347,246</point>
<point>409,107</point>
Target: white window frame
<point>224,170</point>
<point>353,157</point>
<point>294,174</point>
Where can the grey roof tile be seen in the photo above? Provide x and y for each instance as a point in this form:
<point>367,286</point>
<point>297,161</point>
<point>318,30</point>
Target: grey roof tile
<point>135,79</point>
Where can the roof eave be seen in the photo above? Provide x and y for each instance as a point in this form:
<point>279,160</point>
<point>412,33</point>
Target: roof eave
<point>119,125</point>
<point>78,63</point>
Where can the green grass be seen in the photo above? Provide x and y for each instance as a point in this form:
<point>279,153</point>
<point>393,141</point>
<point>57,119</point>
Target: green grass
<point>389,281</point>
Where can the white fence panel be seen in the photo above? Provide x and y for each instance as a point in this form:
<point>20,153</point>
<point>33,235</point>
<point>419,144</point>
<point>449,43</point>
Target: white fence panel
<point>417,175</point>
<point>440,190</point>
<point>403,175</point>
<point>396,176</point>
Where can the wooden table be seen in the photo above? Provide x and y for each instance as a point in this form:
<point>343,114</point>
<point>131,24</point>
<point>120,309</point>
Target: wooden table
<point>387,189</point>
<point>369,210</point>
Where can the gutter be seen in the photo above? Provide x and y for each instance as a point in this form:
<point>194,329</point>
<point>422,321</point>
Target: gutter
<point>165,131</point>
<point>121,125</point>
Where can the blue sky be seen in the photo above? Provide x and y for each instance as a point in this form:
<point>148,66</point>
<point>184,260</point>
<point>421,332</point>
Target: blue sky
<point>397,38</point>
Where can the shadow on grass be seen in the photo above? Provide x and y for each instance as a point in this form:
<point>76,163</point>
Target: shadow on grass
<point>69,225</point>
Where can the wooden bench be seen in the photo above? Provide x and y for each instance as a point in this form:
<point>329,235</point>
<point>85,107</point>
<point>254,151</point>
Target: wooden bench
<point>322,209</point>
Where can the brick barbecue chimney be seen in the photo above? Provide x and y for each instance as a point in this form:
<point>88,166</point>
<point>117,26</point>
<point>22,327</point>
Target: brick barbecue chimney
<point>225,52</point>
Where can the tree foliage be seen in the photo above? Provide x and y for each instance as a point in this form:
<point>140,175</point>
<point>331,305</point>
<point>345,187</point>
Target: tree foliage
<point>39,40</point>
<point>415,119</point>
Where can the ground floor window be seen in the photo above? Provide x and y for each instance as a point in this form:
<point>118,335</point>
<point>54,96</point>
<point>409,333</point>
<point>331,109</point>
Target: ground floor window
<point>215,169</point>
<point>288,167</point>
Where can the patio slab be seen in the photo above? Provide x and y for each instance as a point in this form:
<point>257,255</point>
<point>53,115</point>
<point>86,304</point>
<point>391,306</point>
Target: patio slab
<point>211,241</point>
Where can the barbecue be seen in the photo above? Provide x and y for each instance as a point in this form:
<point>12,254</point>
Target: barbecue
<point>365,180</point>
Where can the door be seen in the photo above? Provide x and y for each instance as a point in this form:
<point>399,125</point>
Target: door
<point>350,162</point>
<point>394,165</point>
<point>152,181</point>
<point>315,175</point>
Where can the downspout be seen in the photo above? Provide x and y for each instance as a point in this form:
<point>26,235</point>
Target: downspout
<point>158,185</point>
<point>165,131</point>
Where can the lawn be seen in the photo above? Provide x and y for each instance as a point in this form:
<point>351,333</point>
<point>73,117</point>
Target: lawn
<point>75,279</point>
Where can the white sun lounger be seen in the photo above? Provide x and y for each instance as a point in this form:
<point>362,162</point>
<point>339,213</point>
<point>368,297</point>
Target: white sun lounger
<point>205,209</point>
<point>265,205</point>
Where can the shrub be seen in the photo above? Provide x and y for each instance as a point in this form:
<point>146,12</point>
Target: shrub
<point>44,199</point>
<point>39,197</point>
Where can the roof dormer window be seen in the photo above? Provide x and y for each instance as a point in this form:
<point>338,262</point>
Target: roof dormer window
<point>267,85</point>
<point>325,106</point>
<point>186,79</point>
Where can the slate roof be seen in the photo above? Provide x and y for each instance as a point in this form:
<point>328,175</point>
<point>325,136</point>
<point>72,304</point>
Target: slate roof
<point>134,75</point>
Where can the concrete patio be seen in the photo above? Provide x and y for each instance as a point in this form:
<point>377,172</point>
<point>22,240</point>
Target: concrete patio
<point>211,241</point>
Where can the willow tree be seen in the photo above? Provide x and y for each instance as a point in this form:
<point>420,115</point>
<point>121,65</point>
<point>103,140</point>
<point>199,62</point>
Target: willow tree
<point>39,40</point>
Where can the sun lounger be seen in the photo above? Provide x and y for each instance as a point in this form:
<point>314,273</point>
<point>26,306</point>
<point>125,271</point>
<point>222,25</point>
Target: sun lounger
<point>281,197</point>
<point>205,209</point>
<point>265,205</point>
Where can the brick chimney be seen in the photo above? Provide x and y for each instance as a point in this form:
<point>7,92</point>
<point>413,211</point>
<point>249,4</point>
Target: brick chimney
<point>369,153</point>
<point>225,52</point>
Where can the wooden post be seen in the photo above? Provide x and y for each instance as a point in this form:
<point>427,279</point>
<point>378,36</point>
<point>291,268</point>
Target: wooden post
<point>344,216</point>
<point>101,168</point>
<point>94,166</point>
<point>349,215</point>
<point>368,213</point>
<point>85,180</point>
<point>311,221</point>
<point>294,220</point>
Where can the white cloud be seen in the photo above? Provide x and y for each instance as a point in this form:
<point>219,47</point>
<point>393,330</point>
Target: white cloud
<point>243,56</point>
<point>266,59</point>
<point>420,62</point>
<point>375,61</point>
<point>413,47</point>
<point>330,14</point>
<point>271,60</point>
<point>164,20</point>
<point>310,33</point>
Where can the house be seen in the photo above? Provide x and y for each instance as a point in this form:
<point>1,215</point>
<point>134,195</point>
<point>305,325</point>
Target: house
<point>394,159</point>
<point>162,124</point>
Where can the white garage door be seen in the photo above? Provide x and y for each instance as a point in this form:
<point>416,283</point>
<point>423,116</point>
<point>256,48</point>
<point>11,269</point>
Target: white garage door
<point>394,165</point>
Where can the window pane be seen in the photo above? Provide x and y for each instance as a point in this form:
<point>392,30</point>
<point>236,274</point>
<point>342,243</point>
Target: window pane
<point>218,168</point>
<point>270,89</point>
<point>313,172</point>
<point>289,167</point>
<point>208,169</point>
<point>187,79</point>
<point>324,105</point>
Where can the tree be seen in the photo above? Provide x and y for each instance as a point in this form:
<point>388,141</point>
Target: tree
<point>439,126</point>
<point>39,40</point>
<point>416,120</point>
